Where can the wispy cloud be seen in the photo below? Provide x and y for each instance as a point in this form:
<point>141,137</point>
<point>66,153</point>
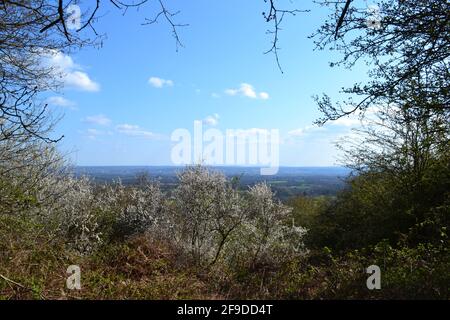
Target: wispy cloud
<point>359,118</point>
<point>329,133</point>
<point>300,132</point>
<point>247,90</point>
<point>59,101</point>
<point>347,122</point>
<point>263,95</point>
<point>159,82</point>
<point>93,133</point>
<point>70,73</point>
<point>99,119</point>
<point>311,134</point>
<point>338,126</point>
<point>136,131</point>
<point>80,80</point>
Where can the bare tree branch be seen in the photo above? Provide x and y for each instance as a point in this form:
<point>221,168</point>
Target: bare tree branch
<point>169,18</point>
<point>341,18</point>
<point>276,16</point>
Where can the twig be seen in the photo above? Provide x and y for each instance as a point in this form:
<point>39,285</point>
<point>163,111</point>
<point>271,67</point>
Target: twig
<point>276,15</point>
<point>169,18</point>
<point>21,285</point>
<point>12,281</point>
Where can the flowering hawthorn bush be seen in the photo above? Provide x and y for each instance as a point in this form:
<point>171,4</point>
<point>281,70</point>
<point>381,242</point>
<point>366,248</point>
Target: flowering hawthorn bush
<point>214,220</point>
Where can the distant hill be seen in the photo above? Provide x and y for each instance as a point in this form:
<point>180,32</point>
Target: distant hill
<point>288,182</point>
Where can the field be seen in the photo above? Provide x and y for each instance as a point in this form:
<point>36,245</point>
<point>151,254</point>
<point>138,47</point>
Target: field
<point>288,182</point>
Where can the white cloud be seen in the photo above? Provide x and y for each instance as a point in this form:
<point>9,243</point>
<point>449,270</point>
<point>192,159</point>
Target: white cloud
<point>81,80</point>
<point>212,120</point>
<point>100,120</point>
<point>58,101</point>
<point>70,73</point>
<point>94,132</point>
<point>231,92</point>
<point>247,90</point>
<point>360,118</point>
<point>297,132</point>
<point>61,60</point>
<point>328,134</point>
<point>346,122</point>
<point>300,132</point>
<point>264,95</point>
<point>135,131</point>
<point>159,83</point>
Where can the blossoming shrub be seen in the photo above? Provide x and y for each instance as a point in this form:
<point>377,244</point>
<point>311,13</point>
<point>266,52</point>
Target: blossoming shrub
<point>75,214</point>
<point>137,209</point>
<point>206,216</point>
<point>215,221</point>
<point>206,209</point>
<point>266,235</point>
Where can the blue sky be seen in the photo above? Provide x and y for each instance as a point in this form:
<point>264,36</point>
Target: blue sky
<point>121,102</point>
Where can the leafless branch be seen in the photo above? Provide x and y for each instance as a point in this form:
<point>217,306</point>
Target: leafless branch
<point>276,16</point>
<point>341,18</point>
<point>169,18</point>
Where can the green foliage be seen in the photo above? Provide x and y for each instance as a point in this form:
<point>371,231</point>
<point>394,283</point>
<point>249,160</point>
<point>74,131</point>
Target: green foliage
<point>305,210</point>
<point>14,199</point>
<point>381,205</point>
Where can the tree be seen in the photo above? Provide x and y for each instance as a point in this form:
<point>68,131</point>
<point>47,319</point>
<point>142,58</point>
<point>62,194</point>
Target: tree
<point>399,188</point>
<point>400,156</point>
<point>23,75</point>
<point>401,41</point>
